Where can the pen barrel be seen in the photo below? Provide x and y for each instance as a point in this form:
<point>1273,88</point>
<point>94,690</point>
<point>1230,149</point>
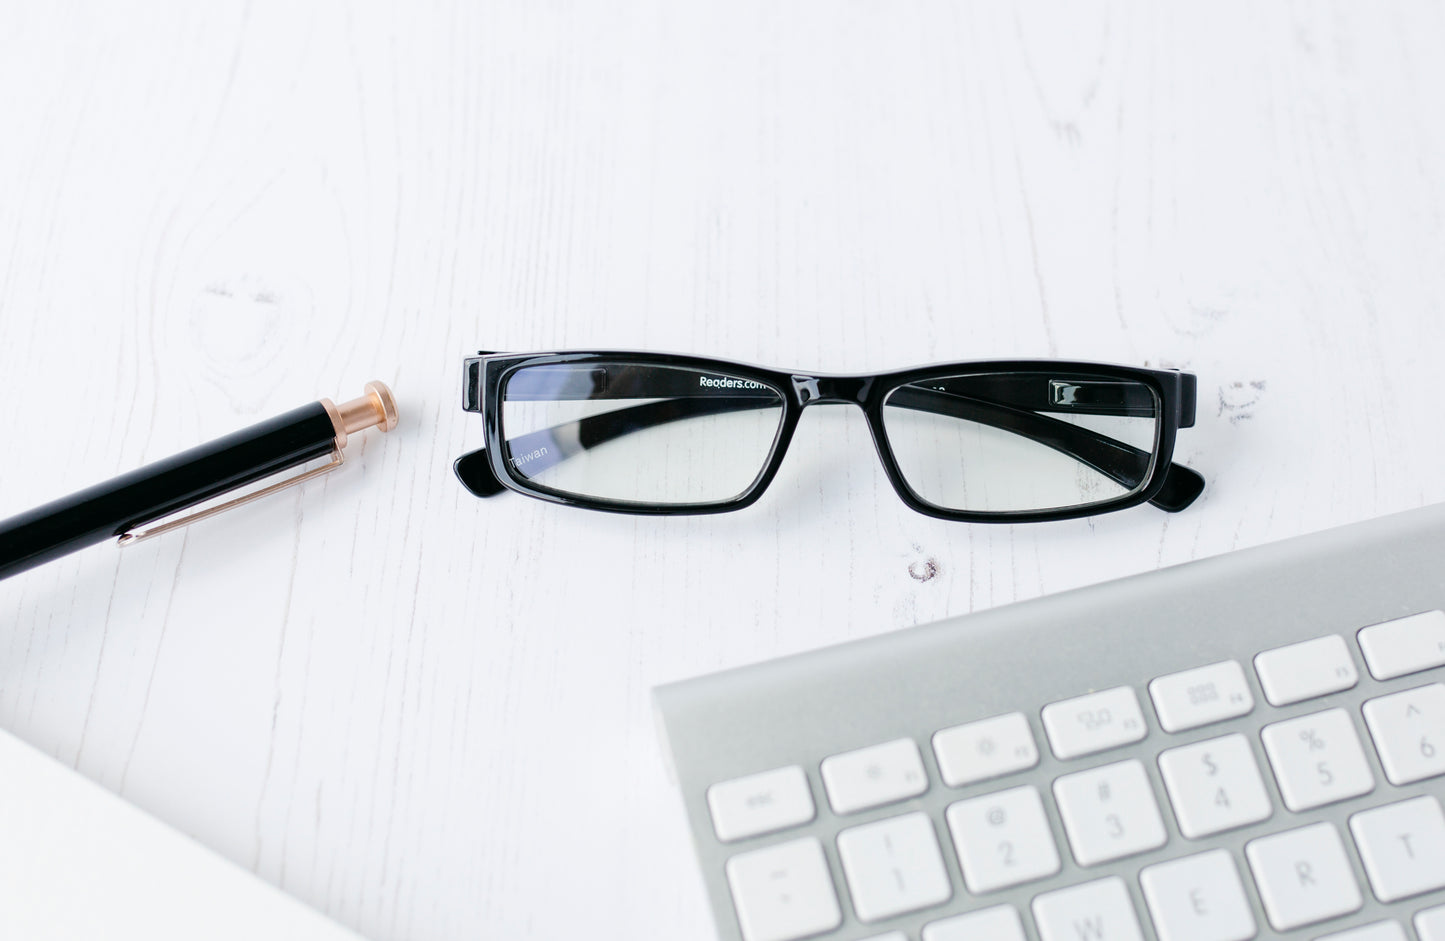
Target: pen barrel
<point>109,509</point>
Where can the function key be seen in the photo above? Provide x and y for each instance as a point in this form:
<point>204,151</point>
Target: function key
<point>989,748</point>
<point>1406,645</point>
<point>783,892</point>
<point>1094,723</point>
<point>760,803</point>
<point>873,776</point>
<point>1306,670</point>
<point>1201,696</point>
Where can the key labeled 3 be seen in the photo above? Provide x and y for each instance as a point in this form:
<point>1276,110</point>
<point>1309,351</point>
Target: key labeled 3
<point>1109,812</point>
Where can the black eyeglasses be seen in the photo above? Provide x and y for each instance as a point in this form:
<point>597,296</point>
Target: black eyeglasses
<point>984,442</point>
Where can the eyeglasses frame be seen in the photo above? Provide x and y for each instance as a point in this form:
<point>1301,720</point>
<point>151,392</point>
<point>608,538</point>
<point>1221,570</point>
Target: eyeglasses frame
<point>1175,393</point>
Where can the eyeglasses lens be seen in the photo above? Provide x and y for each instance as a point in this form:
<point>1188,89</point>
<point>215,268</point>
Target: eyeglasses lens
<point>1023,441</point>
<point>638,433</point>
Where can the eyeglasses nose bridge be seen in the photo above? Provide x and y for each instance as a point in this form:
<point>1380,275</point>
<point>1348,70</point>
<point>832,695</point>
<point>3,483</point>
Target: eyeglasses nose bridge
<point>810,390</point>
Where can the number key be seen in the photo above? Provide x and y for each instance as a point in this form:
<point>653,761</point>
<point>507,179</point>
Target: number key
<point>1409,733</point>
<point>893,866</point>
<point>1002,839</point>
<point>1317,759</point>
<point>1214,786</point>
<point>1109,812</point>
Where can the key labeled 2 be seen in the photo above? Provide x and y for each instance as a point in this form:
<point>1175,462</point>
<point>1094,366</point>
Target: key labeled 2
<point>1002,839</point>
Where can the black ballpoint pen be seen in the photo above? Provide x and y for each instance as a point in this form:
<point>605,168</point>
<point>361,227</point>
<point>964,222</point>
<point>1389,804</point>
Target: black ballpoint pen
<point>122,506</point>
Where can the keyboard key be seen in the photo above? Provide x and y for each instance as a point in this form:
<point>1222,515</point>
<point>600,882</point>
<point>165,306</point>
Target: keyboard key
<point>1198,898</point>
<point>1201,696</point>
<point>1096,911</point>
<point>1303,876</point>
<point>989,748</point>
<point>1403,847</point>
<point>1317,759</point>
<point>1306,670</point>
<point>760,803</point>
<point>874,776</point>
<point>893,866</point>
<point>1002,839</point>
<point>1000,923</point>
<point>1379,931</point>
<point>783,892</point>
<point>890,936</point>
<point>1094,723</point>
<point>1214,786</point>
<point>1430,924</point>
<point>1409,733</point>
<point>1407,645</point>
<point>1109,812</point>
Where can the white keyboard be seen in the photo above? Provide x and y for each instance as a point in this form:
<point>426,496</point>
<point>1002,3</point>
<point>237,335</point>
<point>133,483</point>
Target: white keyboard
<point>1251,746</point>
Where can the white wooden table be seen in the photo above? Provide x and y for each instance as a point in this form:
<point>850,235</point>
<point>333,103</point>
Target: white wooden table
<point>429,715</point>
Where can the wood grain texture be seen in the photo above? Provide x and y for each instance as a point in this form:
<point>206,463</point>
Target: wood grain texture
<point>428,715</point>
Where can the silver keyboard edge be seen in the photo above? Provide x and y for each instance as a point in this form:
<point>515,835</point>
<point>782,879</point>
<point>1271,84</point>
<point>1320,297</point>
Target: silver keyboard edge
<point>802,708</point>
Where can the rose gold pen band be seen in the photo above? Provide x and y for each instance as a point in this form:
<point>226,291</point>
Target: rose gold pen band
<point>375,408</point>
